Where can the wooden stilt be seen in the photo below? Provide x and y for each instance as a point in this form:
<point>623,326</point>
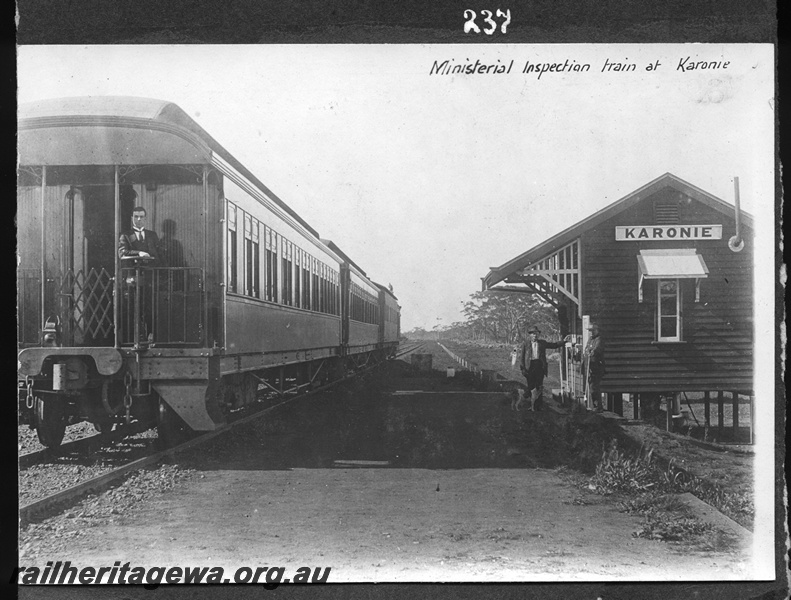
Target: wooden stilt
<point>668,413</point>
<point>735,415</point>
<point>752,418</point>
<point>636,406</point>
<point>720,412</point>
<point>707,408</point>
<point>618,404</point>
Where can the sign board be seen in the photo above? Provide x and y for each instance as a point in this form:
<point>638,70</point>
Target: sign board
<point>657,233</point>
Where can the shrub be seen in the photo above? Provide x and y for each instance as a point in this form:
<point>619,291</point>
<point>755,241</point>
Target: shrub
<point>617,472</point>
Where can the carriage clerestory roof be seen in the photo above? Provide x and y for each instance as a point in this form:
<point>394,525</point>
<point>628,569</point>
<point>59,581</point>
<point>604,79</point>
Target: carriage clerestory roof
<point>547,247</point>
<point>163,128</point>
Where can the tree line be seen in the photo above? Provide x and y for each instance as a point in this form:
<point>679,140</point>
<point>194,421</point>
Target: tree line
<point>498,317</point>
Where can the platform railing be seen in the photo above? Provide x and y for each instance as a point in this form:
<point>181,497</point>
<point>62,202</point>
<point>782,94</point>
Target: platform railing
<point>161,305</point>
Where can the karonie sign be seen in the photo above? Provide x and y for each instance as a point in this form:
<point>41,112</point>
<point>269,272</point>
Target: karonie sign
<point>649,233</point>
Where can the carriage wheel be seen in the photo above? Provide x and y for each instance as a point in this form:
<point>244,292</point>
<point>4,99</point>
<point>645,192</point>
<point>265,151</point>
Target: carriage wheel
<point>50,421</point>
<point>111,405</point>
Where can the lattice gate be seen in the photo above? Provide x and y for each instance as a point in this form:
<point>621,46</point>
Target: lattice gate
<point>85,304</point>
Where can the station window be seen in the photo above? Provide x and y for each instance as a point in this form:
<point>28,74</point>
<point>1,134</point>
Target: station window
<point>232,258</point>
<point>668,310</point>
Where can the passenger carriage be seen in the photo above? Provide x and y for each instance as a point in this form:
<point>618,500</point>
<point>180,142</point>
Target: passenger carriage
<point>244,296</point>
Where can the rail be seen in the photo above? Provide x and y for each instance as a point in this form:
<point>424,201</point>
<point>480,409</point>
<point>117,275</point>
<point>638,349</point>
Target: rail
<point>49,505</point>
<point>86,445</point>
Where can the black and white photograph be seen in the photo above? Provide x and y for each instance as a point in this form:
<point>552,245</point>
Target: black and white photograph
<point>396,313</point>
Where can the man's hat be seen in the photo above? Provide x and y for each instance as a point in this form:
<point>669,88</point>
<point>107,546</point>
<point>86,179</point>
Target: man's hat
<point>533,329</point>
<point>593,327</point>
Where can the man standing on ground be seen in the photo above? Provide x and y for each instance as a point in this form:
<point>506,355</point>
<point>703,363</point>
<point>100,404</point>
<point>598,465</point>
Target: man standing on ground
<point>534,364</point>
<point>594,355</point>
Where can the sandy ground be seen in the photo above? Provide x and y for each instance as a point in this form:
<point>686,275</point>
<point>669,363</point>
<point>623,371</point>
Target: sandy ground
<point>393,525</point>
<point>463,489</point>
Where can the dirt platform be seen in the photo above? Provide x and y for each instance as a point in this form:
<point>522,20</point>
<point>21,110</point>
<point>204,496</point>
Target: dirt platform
<point>449,484</point>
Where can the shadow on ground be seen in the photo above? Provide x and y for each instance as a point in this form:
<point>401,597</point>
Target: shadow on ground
<point>399,418</point>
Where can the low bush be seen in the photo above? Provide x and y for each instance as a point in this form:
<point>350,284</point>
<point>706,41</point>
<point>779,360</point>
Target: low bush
<point>620,472</point>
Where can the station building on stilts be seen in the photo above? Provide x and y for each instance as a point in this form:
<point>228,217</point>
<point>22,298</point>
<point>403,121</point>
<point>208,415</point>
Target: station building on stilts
<point>667,274</point>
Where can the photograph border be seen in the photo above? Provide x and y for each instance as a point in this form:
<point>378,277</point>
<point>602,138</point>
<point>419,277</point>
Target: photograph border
<point>341,22</point>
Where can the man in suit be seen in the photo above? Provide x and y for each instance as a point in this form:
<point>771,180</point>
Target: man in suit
<point>594,355</point>
<point>138,247</point>
<point>139,242</point>
<point>534,364</point>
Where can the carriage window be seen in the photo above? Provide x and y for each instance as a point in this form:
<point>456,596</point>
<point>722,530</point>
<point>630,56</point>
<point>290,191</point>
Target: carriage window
<point>297,277</point>
<point>668,310</point>
<point>288,250</point>
<point>251,246</point>
<point>232,281</point>
<point>334,289</point>
<point>315,294</point>
<point>324,294</point>
<point>271,265</point>
<point>306,282</point>
<point>364,307</point>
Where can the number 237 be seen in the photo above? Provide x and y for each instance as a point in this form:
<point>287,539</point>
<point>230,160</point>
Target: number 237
<point>471,25</point>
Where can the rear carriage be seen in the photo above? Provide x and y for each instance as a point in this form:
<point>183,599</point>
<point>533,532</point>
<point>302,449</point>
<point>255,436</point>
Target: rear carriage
<point>242,296</point>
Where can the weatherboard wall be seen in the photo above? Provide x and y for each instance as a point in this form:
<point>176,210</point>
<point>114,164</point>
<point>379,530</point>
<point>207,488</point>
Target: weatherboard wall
<point>717,336</point>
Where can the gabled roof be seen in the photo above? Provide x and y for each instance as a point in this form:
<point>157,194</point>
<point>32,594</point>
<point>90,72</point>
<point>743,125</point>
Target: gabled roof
<point>538,252</point>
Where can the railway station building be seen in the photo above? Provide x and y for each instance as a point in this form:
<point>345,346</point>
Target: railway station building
<point>667,274</point>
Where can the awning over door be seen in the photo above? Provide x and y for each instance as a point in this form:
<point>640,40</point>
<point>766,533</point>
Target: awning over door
<point>676,263</point>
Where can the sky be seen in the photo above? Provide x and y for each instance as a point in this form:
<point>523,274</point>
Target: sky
<point>428,180</point>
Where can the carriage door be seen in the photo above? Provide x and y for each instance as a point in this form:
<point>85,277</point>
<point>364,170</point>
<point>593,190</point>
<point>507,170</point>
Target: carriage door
<point>91,210</point>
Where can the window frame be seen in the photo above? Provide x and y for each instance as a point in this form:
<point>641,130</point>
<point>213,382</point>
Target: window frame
<point>252,265</point>
<point>677,315</point>
<point>232,282</point>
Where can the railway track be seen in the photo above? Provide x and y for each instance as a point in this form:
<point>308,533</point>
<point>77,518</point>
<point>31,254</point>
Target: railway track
<point>82,447</point>
<point>51,504</point>
<point>409,349</point>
